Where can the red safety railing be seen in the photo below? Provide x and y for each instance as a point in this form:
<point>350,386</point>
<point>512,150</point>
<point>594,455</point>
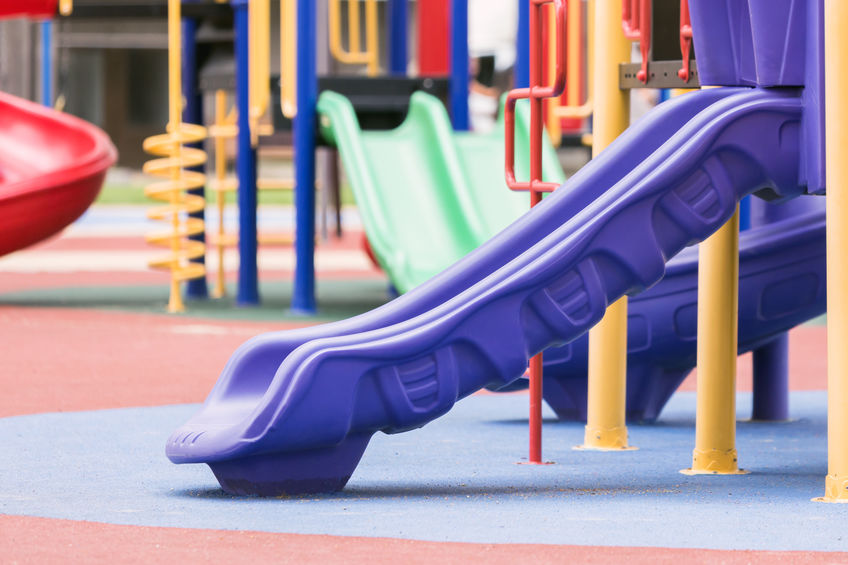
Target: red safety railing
<point>636,22</point>
<point>685,40</point>
<point>536,92</point>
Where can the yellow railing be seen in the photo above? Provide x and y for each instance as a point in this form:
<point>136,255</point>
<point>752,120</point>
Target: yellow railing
<point>259,22</point>
<point>223,129</point>
<point>288,58</point>
<point>173,159</point>
<point>355,55</point>
<point>574,52</point>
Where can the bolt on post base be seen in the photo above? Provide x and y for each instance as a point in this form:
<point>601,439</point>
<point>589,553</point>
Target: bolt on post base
<point>835,489</point>
<point>605,439</point>
<point>714,462</point>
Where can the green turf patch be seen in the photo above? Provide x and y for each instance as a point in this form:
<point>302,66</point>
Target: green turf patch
<point>121,193</point>
<point>337,299</point>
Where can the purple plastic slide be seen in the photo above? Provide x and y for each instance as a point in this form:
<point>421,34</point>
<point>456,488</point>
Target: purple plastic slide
<point>293,411</point>
<point>782,283</point>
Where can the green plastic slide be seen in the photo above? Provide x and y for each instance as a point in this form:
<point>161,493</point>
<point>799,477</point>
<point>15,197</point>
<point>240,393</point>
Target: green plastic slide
<point>428,195</point>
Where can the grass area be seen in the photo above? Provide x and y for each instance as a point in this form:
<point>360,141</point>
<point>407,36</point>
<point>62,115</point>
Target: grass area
<point>122,192</point>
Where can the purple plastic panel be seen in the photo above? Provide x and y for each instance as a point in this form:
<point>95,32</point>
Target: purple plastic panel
<point>750,42</point>
<point>778,28</point>
<point>812,135</point>
<point>768,43</point>
<point>721,33</point>
<point>291,401</point>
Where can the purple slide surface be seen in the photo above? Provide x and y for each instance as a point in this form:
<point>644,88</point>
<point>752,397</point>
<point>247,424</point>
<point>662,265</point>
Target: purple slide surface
<point>782,283</point>
<point>294,411</point>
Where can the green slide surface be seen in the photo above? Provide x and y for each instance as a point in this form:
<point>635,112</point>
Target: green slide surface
<point>429,195</point>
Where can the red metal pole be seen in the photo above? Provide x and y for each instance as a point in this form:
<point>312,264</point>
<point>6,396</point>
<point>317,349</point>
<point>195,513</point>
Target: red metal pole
<point>536,92</point>
<point>644,38</point>
<point>433,37</point>
<point>685,39</point>
<point>536,131</point>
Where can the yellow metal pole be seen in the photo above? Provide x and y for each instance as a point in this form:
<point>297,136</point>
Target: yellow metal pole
<point>836,138</point>
<point>372,37</point>
<point>259,14</point>
<point>220,289</point>
<point>175,110</point>
<point>264,70</point>
<point>334,31</point>
<point>718,297</point>
<point>354,39</point>
<point>288,57</point>
<point>605,422</point>
<point>355,55</point>
<point>171,163</point>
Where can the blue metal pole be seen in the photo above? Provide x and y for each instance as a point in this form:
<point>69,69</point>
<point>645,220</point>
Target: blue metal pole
<point>459,65</point>
<point>770,361</point>
<point>247,293</point>
<point>193,114</point>
<point>745,213</point>
<point>398,37</point>
<point>522,46</point>
<point>771,380</point>
<point>303,295</point>
<point>47,63</point>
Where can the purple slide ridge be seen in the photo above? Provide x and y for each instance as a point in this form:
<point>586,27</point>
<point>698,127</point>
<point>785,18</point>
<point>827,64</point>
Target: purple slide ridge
<point>782,283</point>
<point>293,411</point>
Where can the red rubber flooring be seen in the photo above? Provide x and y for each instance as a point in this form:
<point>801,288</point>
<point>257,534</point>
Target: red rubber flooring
<point>25,540</point>
<point>87,360</point>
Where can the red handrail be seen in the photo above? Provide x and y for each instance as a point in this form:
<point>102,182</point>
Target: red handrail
<point>685,39</point>
<point>536,92</point>
<point>630,19</point>
<point>636,23</point>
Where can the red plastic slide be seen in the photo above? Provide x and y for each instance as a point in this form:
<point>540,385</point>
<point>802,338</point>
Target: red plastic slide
<point>27,8</point>
<point>52,166</point>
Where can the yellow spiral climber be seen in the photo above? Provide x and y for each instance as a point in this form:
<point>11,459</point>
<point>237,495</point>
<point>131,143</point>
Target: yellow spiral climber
<point>173,158</point>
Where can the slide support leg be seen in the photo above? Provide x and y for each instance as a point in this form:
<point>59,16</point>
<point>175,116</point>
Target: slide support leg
<point>718,300</point>
<point>605,421</point>
<point>836,142</point>
<point>771,380</point>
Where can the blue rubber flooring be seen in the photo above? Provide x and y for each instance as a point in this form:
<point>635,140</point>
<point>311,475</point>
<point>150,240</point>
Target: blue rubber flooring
<point>456,479</point>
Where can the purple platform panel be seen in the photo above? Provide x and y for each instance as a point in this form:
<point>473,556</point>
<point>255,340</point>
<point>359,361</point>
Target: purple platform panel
<point>768,43</point>
<point>293,411</point>
<point>750,42</point>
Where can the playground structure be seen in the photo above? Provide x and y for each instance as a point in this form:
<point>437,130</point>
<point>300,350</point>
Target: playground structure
<point>298,97</point>
<point>548,277</point>
<point>421,340</point>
